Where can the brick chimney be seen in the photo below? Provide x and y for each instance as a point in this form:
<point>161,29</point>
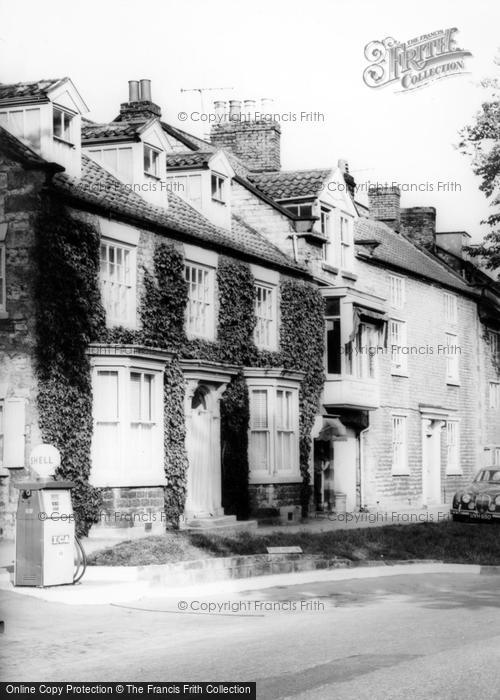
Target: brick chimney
<point>249,135</point>
<point>419,224</point>
<point>384,201</point>
<point>139,107</point>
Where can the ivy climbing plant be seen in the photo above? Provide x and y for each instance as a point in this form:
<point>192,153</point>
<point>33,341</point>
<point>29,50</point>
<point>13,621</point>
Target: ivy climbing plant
<point>70,316</point>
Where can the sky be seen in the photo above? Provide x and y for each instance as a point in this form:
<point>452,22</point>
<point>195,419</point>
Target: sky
<point>306,56</point>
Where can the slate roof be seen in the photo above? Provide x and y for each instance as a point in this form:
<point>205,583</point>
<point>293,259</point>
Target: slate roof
<point>37,89</point>
<point>114,130</point>
<point>99,188</point>
<point>13,147</point>
<point>398,251</point>
<point>188,159</point>
<point>289,184</point>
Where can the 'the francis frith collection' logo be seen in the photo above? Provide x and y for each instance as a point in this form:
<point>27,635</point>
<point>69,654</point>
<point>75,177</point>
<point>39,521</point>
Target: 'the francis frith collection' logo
<point>416,62</point>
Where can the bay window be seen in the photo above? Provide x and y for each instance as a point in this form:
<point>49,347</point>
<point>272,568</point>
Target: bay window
<point>274,429</point>
<point>127,440</point>
<point>333,342</point>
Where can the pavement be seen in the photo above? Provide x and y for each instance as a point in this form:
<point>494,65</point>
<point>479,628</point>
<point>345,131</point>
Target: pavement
<point>405,635</point>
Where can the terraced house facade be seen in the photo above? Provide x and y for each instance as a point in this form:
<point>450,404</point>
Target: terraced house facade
<point>204,335</point>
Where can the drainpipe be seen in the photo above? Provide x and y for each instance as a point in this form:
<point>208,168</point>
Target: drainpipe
<point>295,251</point>
<point>362,465</point>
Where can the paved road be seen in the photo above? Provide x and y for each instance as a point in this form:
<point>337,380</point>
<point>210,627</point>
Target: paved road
<point>409,636</point>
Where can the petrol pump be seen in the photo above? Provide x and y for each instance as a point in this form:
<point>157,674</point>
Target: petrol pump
<point>45,526</point>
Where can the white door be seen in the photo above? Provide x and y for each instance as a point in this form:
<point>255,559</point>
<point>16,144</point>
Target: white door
<point>204,489</point>
<point>431,461</point>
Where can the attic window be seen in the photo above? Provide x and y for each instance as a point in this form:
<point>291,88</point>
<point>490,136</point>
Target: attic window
<point>304,210</point>
<point>218,188</point>
<point>151,161</point>
<point>61,121</point>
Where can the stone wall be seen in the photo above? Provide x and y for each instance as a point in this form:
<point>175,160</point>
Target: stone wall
<point>19,203</point>
<point>424,385</point>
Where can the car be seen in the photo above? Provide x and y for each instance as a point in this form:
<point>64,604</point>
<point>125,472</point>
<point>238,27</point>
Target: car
<point>479,500</point>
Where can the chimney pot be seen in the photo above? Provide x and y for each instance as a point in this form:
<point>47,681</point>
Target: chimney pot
<point>145,90</point>
<point>250,108</point>
<point>234,109</point>
<point>266,104</point>
<point>219,107</point>
<point>133,91</point>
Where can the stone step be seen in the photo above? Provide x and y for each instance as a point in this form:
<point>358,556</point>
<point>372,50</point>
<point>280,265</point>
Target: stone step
<point>226,524</point>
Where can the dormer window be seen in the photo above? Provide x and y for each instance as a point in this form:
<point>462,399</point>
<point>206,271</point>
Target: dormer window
<point>61,122</point>
<point>218,188</point>
<point>303,210</point>
<point>151,161</point>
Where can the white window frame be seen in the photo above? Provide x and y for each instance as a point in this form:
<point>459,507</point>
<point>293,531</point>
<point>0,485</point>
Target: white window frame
<point>399,359</point>
<point>6,120</point>
<point>98,154</point>
<point>494,395</point>
<point>296,209</point>
<point>195,300</point>
<point>66,118</point>
<point>450,308</point>
<point>174,182</point>
<point>266,327</point>
<point>273,474</point>
<point>219,193</point>
<point>399,450</point>
<point>453,466</point>
<point>129,252</point>
<point>124,472</point>
<point>3,288</point>
<point>452,360</point>
<point>151,165</point>
<point>397,291</point>
<point>345,240</point>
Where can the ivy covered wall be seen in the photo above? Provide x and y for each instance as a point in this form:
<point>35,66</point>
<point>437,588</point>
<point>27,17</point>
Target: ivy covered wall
<point>70,316</point>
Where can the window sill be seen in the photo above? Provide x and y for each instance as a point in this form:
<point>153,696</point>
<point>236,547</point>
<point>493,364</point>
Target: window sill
<point>349,275</point>
<point>219,201</point>
<point>66,143</point>
<point>399,373</point>
<point>330,268</point>
<point>132,483</point>
<point>453,382</point>
<point>152,176</point>
<point>454,474</point>
<point>400,473</point>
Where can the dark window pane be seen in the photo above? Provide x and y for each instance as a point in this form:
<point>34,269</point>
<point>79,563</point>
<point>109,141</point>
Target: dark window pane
<point>332,307</point>
<point>333,365</point>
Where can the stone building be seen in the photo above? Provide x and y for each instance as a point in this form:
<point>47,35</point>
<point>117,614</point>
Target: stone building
<point>211,380</point>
